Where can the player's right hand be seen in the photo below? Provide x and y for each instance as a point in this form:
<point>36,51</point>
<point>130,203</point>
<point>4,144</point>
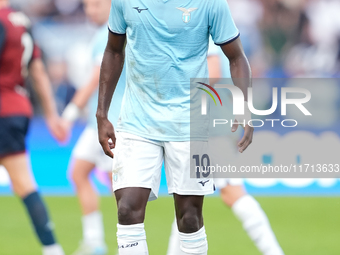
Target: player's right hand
<point>58,131</point>
<point>106,133</point>
<point>67,126</point>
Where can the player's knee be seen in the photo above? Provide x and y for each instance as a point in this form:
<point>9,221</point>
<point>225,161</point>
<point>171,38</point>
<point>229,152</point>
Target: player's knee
<point>128,215</point>
<point>78,177</point>
<point>232,194</point>
<point>22,189</point>
<point>190,222</point>
<point>75,178</point>
<point>17,189</point>
<point>124,214</point>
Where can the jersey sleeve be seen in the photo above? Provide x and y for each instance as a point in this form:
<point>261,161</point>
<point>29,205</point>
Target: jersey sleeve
<point>117,24</point>
<point>221,24</point>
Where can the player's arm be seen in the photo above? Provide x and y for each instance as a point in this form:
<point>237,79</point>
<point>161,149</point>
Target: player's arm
<point>83,95</point>
<point>241,75</point>
<point>43,88</point>
<point>80,99</point>
<point>111,69</point>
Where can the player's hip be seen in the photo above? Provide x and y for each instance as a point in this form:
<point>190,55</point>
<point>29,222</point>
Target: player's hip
<point>15,102</point>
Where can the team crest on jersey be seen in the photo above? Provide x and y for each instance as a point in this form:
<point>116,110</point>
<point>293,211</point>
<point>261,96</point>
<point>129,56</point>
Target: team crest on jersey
<point>186,17</point>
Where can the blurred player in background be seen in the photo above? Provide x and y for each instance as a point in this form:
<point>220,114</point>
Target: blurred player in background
<point>19,57</point>
<point>88,153</point>
<point>232,191</point>
<point>167,43</point>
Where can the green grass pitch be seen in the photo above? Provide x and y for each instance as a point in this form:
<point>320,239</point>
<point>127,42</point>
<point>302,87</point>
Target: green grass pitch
<point>303,225</point>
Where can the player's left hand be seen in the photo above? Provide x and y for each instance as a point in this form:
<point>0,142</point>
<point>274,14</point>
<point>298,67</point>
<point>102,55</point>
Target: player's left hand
<point>57,129</point>
<point>247,138</point>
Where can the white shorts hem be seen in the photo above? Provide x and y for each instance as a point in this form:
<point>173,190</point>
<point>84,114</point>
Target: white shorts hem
<point>191,192</point>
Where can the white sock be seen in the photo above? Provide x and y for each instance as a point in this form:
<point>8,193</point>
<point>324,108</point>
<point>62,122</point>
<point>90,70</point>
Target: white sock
<point>174,244</point>
<point>256,224</point>
<point>194,243</point>
<point>54,249</point>
<point>132,239</point>
<point>93,229</point>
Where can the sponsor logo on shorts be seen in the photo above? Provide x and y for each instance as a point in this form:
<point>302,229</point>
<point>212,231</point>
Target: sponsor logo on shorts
<point>203,182</point>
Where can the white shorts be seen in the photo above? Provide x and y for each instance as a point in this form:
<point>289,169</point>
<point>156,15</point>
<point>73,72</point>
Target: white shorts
<point>138,163</point>
<point>221,183</point>
<point>89,149</point>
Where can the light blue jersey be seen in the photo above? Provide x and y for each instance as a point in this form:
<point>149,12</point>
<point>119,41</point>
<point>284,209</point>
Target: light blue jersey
<point>167,43</point>
<point>99,44</point>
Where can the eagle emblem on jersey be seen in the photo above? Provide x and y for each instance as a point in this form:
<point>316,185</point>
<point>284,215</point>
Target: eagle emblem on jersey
<point>186,17</point>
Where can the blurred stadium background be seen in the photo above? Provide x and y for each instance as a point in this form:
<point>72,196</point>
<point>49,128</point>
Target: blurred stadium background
<point>282,38</point>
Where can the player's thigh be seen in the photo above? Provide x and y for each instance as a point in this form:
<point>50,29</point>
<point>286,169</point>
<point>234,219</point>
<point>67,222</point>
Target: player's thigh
<point>137,163</point>
<point>85,154</point>
<point>87,146</point>
<point>179,161</point>
<point>109,177</point>
<point>81,169</point>
<point>132,197</point>
<point>12,153</point>
<point>20,174</point>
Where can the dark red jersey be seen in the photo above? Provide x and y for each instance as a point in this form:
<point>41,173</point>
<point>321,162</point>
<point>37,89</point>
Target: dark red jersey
<point>17,50</point>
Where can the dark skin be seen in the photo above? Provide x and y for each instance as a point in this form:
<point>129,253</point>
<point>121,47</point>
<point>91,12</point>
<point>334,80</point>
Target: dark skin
<point>131,202</point>
<point>241,76</point>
